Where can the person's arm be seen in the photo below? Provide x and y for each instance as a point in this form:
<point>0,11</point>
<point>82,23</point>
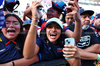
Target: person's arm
<point>87,55</point>
<point>95,48</point>
<point>78,28</point>
<point>27,13</point>
<point>74,62</point>
<point>30,47</point>
<point>24,17</point>
<point>22,62</point>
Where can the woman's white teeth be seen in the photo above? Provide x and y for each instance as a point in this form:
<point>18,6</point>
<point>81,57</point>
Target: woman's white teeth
<point>52,34</point>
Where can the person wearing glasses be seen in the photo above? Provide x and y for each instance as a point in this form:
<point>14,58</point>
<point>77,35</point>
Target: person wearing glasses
<point>12,42</point>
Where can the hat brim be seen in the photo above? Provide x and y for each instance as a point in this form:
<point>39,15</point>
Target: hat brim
<point>52,22</point>
<point>25,25</point>
<point>55,20</point>
<point>88,12</point>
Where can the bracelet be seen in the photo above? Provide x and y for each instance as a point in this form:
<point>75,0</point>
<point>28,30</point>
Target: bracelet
<point>98,57</point>
<point>13,63</point>
<point>35,19</point>
<point>35,25</point>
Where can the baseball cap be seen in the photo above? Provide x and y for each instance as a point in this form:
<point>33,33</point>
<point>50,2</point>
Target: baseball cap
<point>90,12</point>
<point>97,16</point>
<point>11,5</point>
<point>59,5</point>
<point>56,20</point>
<point>26,22</point>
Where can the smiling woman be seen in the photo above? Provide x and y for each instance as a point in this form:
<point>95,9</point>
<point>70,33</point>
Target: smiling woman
<point>12,39</point>
<point>12,28</point>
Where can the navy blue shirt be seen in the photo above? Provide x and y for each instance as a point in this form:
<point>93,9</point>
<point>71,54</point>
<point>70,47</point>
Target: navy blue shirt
<point>8,52</point>
<point>49,51</point>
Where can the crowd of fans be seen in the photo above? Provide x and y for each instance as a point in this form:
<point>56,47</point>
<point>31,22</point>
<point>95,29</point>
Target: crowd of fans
<point>37,39</point>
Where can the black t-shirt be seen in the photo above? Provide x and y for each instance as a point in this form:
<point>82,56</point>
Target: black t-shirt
<point>87,39</point>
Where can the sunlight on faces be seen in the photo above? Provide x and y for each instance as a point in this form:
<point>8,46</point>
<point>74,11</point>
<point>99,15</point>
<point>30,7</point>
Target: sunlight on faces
<point>85,19</point>
<point>12,28</point>
<point>53,32</point>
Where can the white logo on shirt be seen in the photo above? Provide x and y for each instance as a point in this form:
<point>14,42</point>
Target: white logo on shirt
<point>84,41</point>
<point>2,50</point>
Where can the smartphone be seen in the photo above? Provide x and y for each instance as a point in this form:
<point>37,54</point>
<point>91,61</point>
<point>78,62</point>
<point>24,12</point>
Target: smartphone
<point>70,41</point>
<point>69,10</point>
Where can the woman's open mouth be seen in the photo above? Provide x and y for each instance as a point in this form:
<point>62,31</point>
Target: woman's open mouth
<point>11,32</point>
<point>53,36</point>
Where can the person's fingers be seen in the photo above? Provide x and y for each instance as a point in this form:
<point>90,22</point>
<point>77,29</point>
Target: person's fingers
<point>68,45</point>
<point>67,55</point>
<point>69,50</point>
<point>76,1</point>
<point>36,3</point>
<point>73,6</point>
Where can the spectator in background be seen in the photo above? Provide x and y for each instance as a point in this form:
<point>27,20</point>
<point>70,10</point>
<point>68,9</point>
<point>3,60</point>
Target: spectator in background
<point>97,20</point>
<point>92,19</point>
<point>67,19</point>
<point>88,42</point>
<point>96,23</point>
<point>98,31</point>
<point>26,26</point>
<point>11,43</point>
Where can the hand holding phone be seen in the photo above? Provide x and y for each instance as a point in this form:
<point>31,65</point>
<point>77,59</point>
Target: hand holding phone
<point>69,41</point>
<point>70,4</point>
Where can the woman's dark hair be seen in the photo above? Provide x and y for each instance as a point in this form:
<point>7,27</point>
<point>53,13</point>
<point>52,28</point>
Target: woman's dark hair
<point>60,40</point>
<point>63,17</point>
<point>21,35</point>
